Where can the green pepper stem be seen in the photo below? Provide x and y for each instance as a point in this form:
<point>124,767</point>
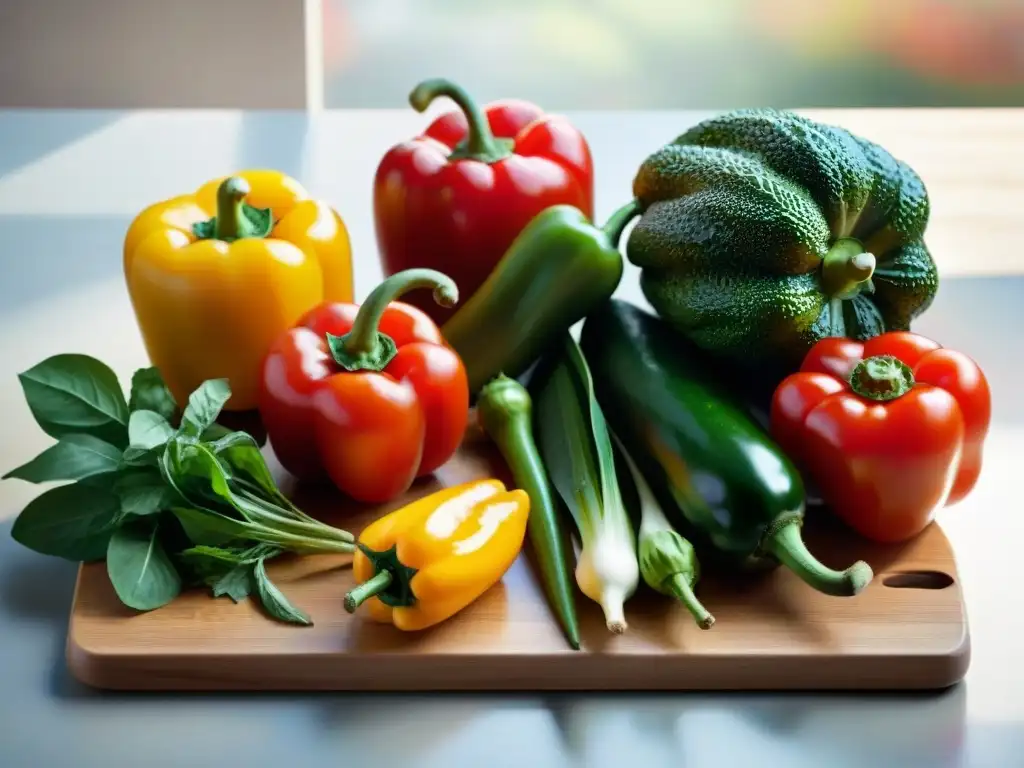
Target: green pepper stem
<point>503,404</point>
<point>846,268</point>
<point>235,219</point>
<point>365,348</point>
<point>480,143</point>
<point>619,220</point>
<point>363,592</point>
<point>230,198</point>
<point>682,588</point>
<point>789,549</point>
<point>882,378</point>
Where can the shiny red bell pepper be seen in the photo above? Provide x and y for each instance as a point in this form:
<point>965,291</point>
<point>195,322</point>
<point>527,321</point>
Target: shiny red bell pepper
<point>371,396</point>
<point>890,430</point>
<point>454,198</point>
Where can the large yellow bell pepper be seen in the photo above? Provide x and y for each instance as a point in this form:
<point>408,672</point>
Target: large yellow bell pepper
<point>216,275</point>
<point>426,561</point>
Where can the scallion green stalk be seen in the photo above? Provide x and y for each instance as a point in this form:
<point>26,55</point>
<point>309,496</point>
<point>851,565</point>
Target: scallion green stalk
<point>575,445</point>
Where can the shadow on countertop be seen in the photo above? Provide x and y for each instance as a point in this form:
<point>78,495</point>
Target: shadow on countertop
<point>30,135</point>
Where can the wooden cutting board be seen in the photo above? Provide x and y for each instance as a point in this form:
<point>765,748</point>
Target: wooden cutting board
<point>907,630</point>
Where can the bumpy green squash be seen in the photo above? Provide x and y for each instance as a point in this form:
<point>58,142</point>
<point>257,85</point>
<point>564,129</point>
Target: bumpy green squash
<point>763,231</point>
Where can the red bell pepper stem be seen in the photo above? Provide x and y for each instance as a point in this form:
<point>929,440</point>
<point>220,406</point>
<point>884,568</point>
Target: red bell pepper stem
<point>480,142</point>
<point>365,348</point>
<point>846,268</point>
<point>881,378</point>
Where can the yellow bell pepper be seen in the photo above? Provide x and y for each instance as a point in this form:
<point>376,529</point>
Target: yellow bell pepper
<point>426,561</point>
<point>216,275</point>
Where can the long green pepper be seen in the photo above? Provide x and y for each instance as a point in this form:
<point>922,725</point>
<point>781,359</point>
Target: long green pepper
<point>504,411</point>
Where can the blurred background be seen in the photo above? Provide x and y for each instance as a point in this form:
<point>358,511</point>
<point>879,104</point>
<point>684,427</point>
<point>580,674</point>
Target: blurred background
<point>564,54</point>
<point>682,54</point>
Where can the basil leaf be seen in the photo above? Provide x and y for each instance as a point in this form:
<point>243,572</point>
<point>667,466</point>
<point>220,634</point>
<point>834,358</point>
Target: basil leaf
<point>73,393</point>
<point>137,456</point>
<point>237,583</point>
<point>70,521</point>
<point>242,453</point>
<point>143,576</point>
<point>216,567</point>
<point>144,492</point>
<point>205,565</point>
<point>149,393</point>
<point>148,429</point>
<point>233,555</point>
<point>273,600</point>
<point>195,520</point>
<point>202,474</point>
<point>76,456</point>
<point>230,555</point>
<point>215,432</point>
<point>205,526</point>
<point>204,406</point>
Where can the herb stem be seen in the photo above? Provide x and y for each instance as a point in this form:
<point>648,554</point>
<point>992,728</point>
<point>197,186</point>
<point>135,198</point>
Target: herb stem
<point>286,504</point>
<point>309,545</point>
<point>269,516</point>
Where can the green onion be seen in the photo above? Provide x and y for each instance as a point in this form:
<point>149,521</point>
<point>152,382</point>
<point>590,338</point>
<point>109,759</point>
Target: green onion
<point>576,446</point>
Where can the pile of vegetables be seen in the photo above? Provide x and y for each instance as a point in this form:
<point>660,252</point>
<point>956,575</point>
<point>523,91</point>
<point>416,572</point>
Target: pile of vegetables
<point>780,256</point>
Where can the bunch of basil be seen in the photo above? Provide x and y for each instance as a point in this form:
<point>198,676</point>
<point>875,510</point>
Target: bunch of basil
<point>170,498</point>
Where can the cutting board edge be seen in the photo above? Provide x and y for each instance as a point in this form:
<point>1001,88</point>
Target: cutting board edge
<point>566,671</point>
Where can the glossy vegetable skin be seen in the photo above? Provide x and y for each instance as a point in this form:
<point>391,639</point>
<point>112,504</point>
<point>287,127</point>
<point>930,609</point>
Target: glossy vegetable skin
<point>505,413</point>
<point>890,430</point>
<point>368,396</point>
<point>559,268</point>
<point>715,472</point>
<point>454,198</point>
<point>215,276</point>
<point>423,563</point>
<point>764,232</point>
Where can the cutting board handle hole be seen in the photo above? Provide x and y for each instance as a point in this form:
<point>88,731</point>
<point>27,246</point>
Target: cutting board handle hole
<point>918,580</point>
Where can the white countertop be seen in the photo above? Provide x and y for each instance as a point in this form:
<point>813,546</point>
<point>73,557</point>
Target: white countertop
<point>70,183</point>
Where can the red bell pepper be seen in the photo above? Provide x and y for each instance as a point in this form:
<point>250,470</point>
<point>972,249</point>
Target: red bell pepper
<point>890,430</point>
<point>454,198</point>
<point>371,396</point>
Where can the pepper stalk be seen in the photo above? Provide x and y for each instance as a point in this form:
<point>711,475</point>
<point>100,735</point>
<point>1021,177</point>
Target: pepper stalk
<point>366,347</point>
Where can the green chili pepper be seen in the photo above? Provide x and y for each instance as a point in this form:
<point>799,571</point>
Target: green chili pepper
<point>504,411</point>
<point>556,271</point>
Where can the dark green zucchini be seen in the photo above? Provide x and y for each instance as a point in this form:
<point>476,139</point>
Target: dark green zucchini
<point>705,458</point>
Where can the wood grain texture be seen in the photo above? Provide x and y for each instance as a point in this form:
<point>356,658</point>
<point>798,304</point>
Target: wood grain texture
<point>771,633</point>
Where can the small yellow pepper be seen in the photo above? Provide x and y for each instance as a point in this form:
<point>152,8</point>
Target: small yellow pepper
<point>215,276</point>
<point>426,561</point>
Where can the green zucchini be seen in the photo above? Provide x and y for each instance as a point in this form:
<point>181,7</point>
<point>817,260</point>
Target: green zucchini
<point>707,462</point>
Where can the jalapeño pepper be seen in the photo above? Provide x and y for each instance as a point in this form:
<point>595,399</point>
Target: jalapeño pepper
<point>556,271</point>
<point>709,464</point>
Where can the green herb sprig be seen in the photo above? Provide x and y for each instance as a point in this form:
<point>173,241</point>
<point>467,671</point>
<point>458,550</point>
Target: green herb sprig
<point>169,498</point>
